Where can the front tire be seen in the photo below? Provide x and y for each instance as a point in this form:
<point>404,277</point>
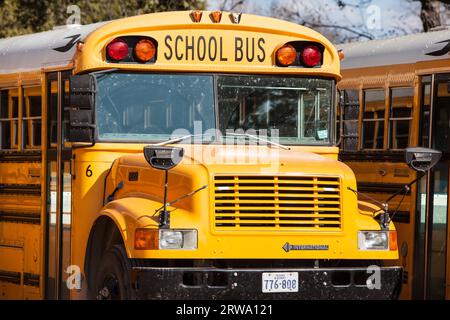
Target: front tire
<point>112,281</point>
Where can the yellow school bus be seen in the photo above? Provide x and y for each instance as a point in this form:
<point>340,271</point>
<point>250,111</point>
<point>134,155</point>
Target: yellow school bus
<point>397,93</point>
<point>181,155</point>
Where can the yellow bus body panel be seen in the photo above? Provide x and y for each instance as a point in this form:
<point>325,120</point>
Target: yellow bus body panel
<point>221,53</point>
<point>135,204</point>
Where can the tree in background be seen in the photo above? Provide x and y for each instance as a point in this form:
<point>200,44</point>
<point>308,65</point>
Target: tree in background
<point>350,20</point>
<point>27,16</point>
<point>430,13</point>
<point>339,20</point>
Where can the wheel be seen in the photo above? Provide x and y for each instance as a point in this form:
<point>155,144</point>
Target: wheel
<point>112,281</point>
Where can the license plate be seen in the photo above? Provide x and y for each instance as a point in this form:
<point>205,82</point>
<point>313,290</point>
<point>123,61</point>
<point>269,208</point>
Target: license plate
<point>280,282</point>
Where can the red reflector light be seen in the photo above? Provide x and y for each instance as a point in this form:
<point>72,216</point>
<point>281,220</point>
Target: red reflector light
<point>286,55</point>
<point>311,56</point>
<point>117,49</point>
<point>145,50</point>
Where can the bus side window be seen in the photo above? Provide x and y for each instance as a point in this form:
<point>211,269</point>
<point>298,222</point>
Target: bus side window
<point>32,122</point>
<point>5,123</point>
<point>373,119</point>
<point>400,117</point>
<point>350,119</point>
<point>52,104</point>
<point>9,119</point>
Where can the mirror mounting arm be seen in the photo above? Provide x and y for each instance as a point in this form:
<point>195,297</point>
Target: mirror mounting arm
<point>164,215</point>
<point>163,158</point>
<point>419,159</point>
<point>406,187</point>
<point>384,219</point>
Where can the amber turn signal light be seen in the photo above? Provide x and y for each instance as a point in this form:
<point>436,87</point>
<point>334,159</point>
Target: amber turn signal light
<point>145,50</point>
<point>393,245</point>
<point>286,55</point>
<point>146,239</point>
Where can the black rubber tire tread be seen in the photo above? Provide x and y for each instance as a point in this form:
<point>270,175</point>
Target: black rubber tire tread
<point>116,262</point>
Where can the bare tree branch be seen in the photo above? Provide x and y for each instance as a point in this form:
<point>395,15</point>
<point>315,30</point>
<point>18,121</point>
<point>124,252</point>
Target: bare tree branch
<point>350,20</point>
<point>342,4</point>
<point>317,19</point>
<point>236,4</point>
<point>226,6</point>
<point>356,32</point>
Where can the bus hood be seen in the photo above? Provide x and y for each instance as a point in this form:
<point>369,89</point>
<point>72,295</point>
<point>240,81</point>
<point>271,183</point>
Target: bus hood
<point>218,159</point>
<point>201,165</point>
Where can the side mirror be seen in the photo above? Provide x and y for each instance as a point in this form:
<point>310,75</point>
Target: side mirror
<point>422,159</point>
<point>163,158</point>
<point>81,111</point>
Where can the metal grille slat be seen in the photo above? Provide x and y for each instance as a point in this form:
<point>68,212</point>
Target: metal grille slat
<point>279,195</point>
<point>230,188</point>
<point>259,182</point>
<point>277,203</point>
<point>290,209</point>
<point>280,215</point>
<point>285,222</point>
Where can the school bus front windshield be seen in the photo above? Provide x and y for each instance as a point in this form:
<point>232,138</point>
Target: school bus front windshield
<point>143,107</point>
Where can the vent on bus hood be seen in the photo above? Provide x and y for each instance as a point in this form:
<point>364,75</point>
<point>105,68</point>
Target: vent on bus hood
<point>277,203</point>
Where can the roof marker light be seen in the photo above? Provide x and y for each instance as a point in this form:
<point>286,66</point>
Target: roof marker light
<point>216,16</point>
<point>117,49</point>
<point>196,15</point>
<point>80,46</point>
<point>341,54</point>
<point>235,17</point>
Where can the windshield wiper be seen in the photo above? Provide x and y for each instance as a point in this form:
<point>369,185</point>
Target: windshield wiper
<point>176,140</point>
<point>258,138</point>
<point>179,139</point>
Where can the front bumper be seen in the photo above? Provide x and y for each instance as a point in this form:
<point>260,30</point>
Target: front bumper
<point>244,284</point>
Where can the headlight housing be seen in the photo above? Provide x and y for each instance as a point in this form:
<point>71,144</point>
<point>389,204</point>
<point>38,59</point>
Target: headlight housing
<point>177,239</point>
<point>373,240</point>
<point>165,239</point>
